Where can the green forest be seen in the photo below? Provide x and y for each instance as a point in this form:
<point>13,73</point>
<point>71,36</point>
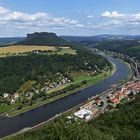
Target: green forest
<point>129,47</point>
<point>120,124</point>
<point>16,70</point>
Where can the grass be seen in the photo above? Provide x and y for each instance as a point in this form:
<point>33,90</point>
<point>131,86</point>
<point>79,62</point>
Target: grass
<point>4,108</point>
<point>20,50</point>
<point>23,49</point>
<point>26,86</point>
<point>67,50</point>
<point>135,47</point>
<point>28,48</point>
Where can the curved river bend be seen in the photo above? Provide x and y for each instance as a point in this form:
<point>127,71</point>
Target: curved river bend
<point>31,118</point>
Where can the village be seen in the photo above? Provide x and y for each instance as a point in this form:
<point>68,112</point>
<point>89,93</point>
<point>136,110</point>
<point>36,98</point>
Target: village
<point>38,90</point>
<point>109,101</point>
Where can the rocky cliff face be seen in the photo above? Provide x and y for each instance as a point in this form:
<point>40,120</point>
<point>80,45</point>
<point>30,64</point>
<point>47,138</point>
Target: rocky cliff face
<point>43,38</point>
<point>42,35</point>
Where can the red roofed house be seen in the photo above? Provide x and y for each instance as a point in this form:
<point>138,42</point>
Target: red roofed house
<point>114,102</point>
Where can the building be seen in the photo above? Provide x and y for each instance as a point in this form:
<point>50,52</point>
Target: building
<point>6,95</point>
<point>114,102</point>
<point>16,95</point>
<point>84,114</point>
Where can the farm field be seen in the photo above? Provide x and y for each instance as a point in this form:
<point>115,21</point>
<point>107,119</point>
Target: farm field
<point>24,48</point>
<point>15,49</point>
<point>66,50</point>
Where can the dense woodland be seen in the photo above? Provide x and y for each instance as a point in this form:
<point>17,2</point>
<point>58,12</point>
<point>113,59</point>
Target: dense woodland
<point>16,70</point>
<point>120,124</point>
<point>130,47</point>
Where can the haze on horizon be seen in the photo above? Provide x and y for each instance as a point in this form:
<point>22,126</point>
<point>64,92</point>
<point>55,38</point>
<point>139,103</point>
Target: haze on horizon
<point>69,17</point>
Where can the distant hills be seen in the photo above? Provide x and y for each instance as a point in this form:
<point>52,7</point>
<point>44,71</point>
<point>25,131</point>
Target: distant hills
<point>10,40</point>
<point>101,37</point>
<point>43,38</point>
<point>51,39</point>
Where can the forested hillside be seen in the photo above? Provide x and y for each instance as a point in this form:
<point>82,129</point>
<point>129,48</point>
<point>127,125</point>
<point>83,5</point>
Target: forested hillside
<point>10,40</point>
<point>130,47</point>
<point>16,70</point>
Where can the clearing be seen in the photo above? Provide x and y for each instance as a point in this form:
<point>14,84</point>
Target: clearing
<point>24,48</point>
<point>16,49</point>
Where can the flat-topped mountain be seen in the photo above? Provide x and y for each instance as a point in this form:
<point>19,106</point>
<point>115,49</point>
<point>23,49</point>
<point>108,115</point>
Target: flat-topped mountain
<point>43,38</point>
<point>42,35</point>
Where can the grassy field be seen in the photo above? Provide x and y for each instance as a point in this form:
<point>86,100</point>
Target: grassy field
<point>23,49</point>
<point>26,86</point>
<point>68,50</point>
<point>15,49</point>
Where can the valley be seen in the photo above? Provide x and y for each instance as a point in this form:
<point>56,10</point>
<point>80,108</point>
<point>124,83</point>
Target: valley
<point>37,75</point>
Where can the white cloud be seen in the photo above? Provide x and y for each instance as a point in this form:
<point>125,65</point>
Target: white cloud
<point>125,19</point>
<point>20,23</point>
<point>80,25</point>
<point>13,20</point>
<point>3,10</point>
<point>90,16</point>
<point>113,14</point>
<point>7,15</point>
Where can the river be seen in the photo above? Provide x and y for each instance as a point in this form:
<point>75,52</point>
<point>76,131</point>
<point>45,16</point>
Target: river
<point>31,118</point>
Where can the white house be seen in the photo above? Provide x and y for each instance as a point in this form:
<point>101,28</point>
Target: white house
<point>83,114</point>
<point>6,95</point>
<point>13,101</point>
<point>16,95</point>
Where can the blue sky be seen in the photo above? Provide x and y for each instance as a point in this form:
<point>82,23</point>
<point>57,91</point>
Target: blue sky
<point>69,17</point>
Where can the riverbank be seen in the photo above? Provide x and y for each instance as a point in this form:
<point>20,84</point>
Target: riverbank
<point>90,82</point>
<point>105,120</point>
<point>58,116</point>
<point>46,112</point>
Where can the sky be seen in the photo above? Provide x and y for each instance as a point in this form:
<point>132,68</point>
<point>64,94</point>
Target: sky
<point>69,17</point>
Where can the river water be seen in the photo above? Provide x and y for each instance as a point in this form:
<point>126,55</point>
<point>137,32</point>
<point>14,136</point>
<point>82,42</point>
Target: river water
<point>44,113</point>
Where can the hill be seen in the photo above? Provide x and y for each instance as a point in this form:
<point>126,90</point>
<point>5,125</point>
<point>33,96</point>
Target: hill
<point>126,44</point>
<point>129,47</point>
<point>44,75</point>
<point>43,38</point>
<point>19,69</point>
<point>104,37</point>
<point>10,40</point>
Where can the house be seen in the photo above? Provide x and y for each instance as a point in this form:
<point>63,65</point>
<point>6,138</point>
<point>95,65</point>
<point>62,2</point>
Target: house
<point>98,102</point>
<point>114,102</point>
<point>16,96</point>
<point>29,95</point>
<point>83,114</point>
<point>13,101</point>
<point>6,95</point>
<point>121,96</point>
<point>37,91</point>
<point>111,96</point>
